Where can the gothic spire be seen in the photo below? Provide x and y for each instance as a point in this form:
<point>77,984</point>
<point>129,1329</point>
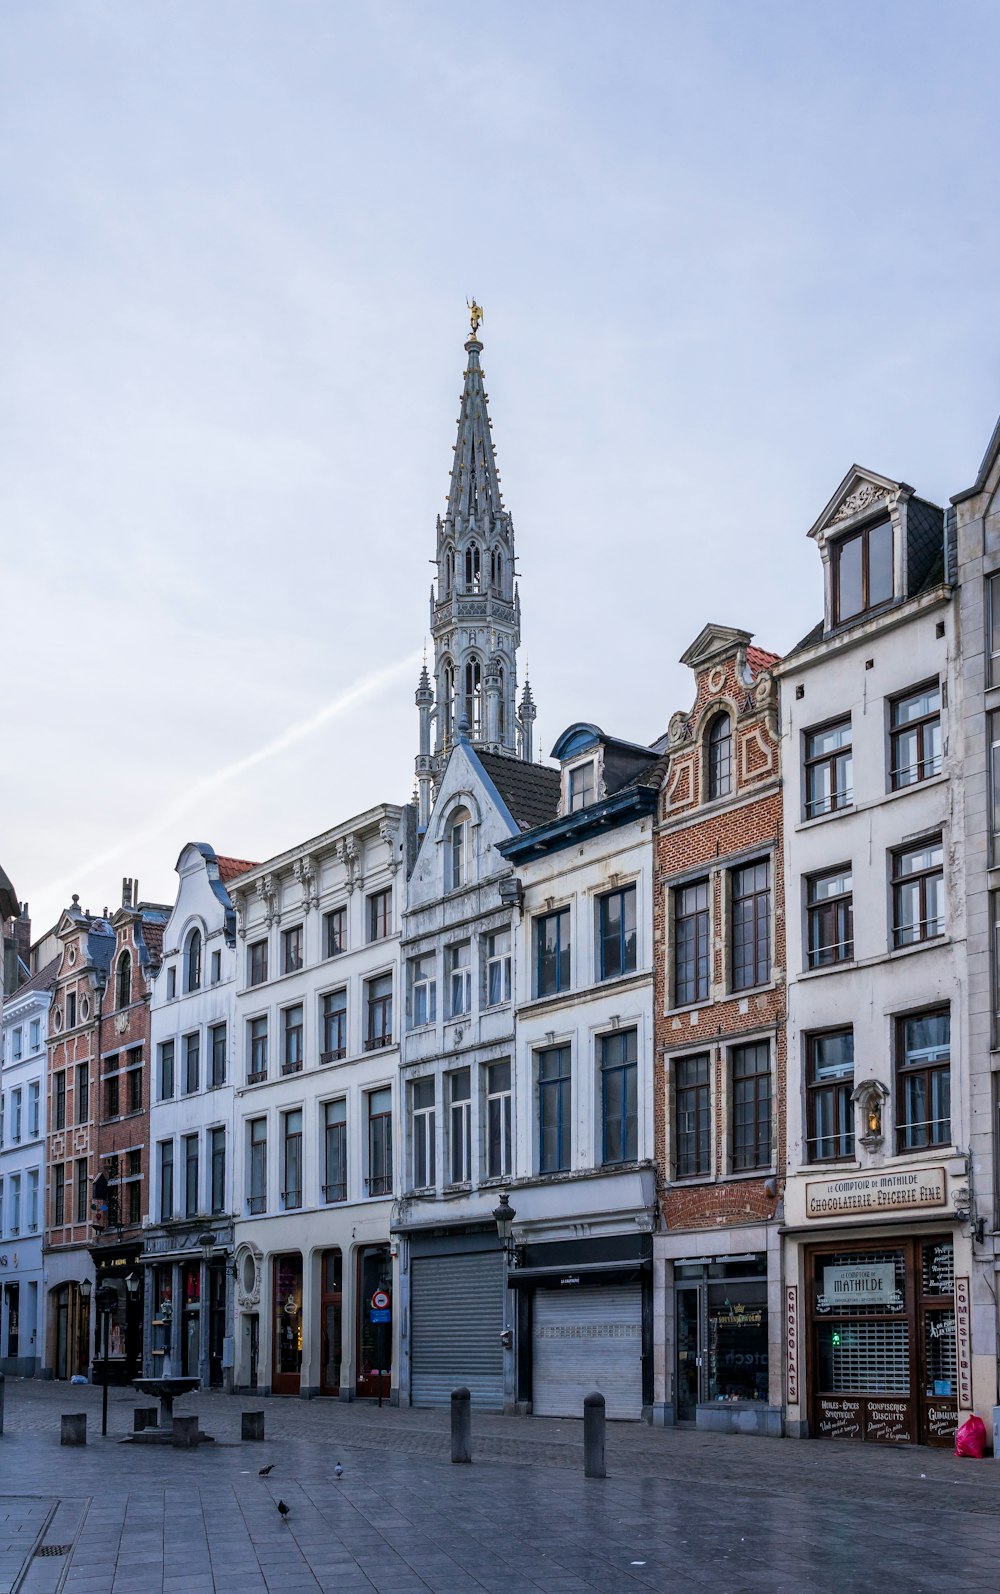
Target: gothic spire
<point>474,490</point>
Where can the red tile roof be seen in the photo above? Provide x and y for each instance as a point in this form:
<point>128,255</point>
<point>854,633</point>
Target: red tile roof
<point>229,868</point>
<point>759,660</point>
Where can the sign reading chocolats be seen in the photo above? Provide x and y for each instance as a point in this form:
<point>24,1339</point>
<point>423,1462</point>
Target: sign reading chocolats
<point>792,1343</point>
<point>876,1192</point>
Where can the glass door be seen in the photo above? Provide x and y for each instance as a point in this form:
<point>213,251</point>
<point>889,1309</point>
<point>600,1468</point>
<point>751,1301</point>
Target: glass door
<point>374,1333</point>
<point>690,1351</point>
<point>287,1320</point>
<point>330,1323</point>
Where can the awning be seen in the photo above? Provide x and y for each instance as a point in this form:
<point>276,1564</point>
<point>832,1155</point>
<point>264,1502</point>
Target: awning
<point>525,1278</point>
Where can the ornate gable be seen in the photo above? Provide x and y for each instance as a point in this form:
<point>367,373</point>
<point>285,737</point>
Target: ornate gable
<point>860,493</point>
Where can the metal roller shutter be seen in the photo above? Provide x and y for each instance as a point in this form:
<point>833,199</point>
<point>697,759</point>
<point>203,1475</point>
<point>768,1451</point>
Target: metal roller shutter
<point>456,1318</point>
<point>587,1340</point>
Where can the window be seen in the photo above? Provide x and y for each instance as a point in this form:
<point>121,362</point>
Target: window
<point>35,1034</point>
<point>918,893</point>
<point>71,1010</point>
<point>217,1151</point>
<point>334,1026</point>
<point>458,862</point>
<point>993,729</point>
<point>335,1150</point>
<point>692,1148</point>
<point>190,1176</point>
<point>257,1166</point>
<point>59,1101</point>
<point>751,1096</point>
<point>552,945</point>
<point>619,1110</point>
<point>291,1039</point>
<point>15,1204</point>
<point>58,1195</point>
<point>17,1044</point>
<point>830,1081</point>
<point>993,629</point>
<point>474,697</point>
<point>32,1200</point>
<point>166,1070</point>
<point>497,968</point>
<point>123,990</point>
<point>616,933</point>
<point>691,964</point>
<point>379,1007</point>
<point>458,968</point>
<point>257,963</point>
<point>192,962</point>
<point>15,1117</point>
<point>257,1043</point>
<point>335,932</point>
<point>134,1089</point>
<point>34,1109</point>
<point>446,700</point>
<point>862,571</point>
<point>291,1157</point>
<point>380,1142</point>
<point>83,1192</point>
<point>554,1110</point>
<point>830,918</point>
<point>379,915</point>
<point>422,1120</point>
<point>423,992</point>
<point>217,1055</point>
<point>216,967</point>
<point>915,737</point>
<point>171,983</point>
<point>472,567</point>
<point>291,950</point>
<point>460,1125</point>
<point>829,769</point>
<point>498,1121</point>
<point>751,912</point>
<point>112,1096</point>
<point>192,1062</point>
<point>581,786</point>
<point>923,1081</point>
<point>720,757</point>
<point>82,1092</point>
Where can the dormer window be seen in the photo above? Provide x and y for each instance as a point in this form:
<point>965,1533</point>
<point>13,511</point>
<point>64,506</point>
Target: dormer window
<point>458,858</point>
<point>192,962</point>
<point>720,757</point>
<point>862,571</point>
<point>581,786</point>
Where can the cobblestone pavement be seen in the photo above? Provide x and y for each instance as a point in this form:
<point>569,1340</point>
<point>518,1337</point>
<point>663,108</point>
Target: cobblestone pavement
<point>679,1511</point>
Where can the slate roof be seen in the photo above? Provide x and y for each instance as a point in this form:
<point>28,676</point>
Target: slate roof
<point>229,868</point>
<point>531,791</point>
<point>42,981</point>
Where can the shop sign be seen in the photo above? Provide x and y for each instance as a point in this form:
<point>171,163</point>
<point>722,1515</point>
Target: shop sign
<point>942,1420</point>
<point>876,1192</point>
<point>963,1331</point>
<point>860,1284</point>
<point>792,1342</point>
<point>888,1421</point>
<point>839,1419</point>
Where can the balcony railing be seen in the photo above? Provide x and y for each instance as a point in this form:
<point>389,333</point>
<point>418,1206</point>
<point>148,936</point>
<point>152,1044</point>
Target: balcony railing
<point>256,1204</point>
<point>335,1192</point>
<point>375,1043</point>
<point>292,1068</point>
<point>379,1184</point>
<point>334,1056</point>
<point>257,1077</point>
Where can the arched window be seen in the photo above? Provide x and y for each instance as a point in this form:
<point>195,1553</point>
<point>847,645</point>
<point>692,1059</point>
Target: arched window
<point>474,696</point>
<point>449,570</point>
<point>124,987</point>
<point>720,757</point>
<point>192,962</point>
<point>473,569</point>
<point>446,702</point>
<point>496,570</point>
<point>458,862</point>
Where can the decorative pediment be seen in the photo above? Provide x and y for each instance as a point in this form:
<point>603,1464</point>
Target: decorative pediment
<point>713,642</point>
<point>860,492</point>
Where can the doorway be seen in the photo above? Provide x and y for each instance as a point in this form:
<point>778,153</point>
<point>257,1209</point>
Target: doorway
<point>331,1322</point>
<point>374,1338</point>
<point>721,1332</point>
<point>286,1337</point>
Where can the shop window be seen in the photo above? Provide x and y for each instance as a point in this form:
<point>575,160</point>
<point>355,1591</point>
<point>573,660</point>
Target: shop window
<point>862,571</point>
<point>257,963</point>
<point>331,1323</point>
<point>555,1090</point>
<point>915,737</point>
<point>692,1122</point>
<point>918,893</point>
<point>829,769</point>
<point>751,1099</point>
<point>619,1097</point>
<point>287,1336</point>
<point>379,1180</point>
<point>691,949</point>
<point>498,1120</point>
<point>552,952</point>
<point>460,1125</point>
<point>497,968</point>
<point>750,904</point>
<point>923,1081</point>
<point>422,1132</point>
<point>335,1150</point>
<point>335,932</point>
<point>334,1026</point>
<point>374,1338</point>
<point>616,933</point>
<point>719,755</point>
<point>829,918</point>
<point>257,1046</point>
<point>829,1086</point>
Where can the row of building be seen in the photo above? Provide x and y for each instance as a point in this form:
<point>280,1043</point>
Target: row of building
<point>667,1070</point>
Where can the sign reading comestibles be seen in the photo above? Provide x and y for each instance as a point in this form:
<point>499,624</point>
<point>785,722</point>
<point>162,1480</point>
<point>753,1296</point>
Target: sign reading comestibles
<point>876,1192</point>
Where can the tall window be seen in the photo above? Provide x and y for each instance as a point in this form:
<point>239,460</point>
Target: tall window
<point>692,1148</point>
<point>459,840</point>
<point>257,1166</point>
<point>291,1039</point>
<point>166,1070</point>
<point>552,948</point>
<point>830,918</point>
<point>447,702</point>
<point>291,1159</point>
<point>918,893</point>
<point>829,1082</point>
<point>862,571</point>
<point>17,1044</point>
<point>192,1051</point>
<point>34,1109</point>
<point>458,966</point>
<point>171,983</point>
<point>335,932</point>
<point>993,729</point>
<point>15,1203</point>
<point>216,967</point>
<point>474,697</point>
<point>123,995</point>
<point>720,757</point>
<point>423,992</point>
<point>71,1010</point>
<point>473,567</point>
<point>192,962</point>
<point>335,1150</point>
<point>82,1092</point>
<point>498,1121</point>
<point>554,1110</point>
<point>691,953</point>
<point>915,736</point>
<point>59,1100</point>
<point>380,1142</point>
<point>460,1125</point>
<point>134,1084</point>
<point>497,968</point>
<point>616,933</point>
<point>378,1002</point>
<point>581,786</point>
<point>190,1176</point>
<point>993,629</point>
<point>217,1045</point>
<point>291,949</point>
<point>58,1194</point>
<point>379,915</point>
<point>257,963</point>
<point>751,910</point>
<point>619,1109</point>
<point>83,1192</point>
<point>422,1117</point>
<point>112,1095</point>
<point>334,1026</point>
<point>751,1095</point>
<point>829,769</point>
<point>217,1148</point>
<point>923,1080</point>
<point>257,1045</point>
<point>15,1117</point>
<point>32,1200</point>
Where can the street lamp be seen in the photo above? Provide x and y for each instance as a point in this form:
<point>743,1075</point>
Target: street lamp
<point>107,1300</point>
<point>85,1288</point>
<point>503,1216</point>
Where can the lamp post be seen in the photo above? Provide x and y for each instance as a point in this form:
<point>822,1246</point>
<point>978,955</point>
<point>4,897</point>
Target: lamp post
<point>503,1216</point>
<point>206,1240</point>
<point>85,1287</point>
<point>107,1300</point>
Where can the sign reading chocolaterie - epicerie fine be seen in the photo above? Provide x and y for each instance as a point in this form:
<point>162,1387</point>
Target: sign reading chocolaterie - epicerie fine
<point>876,1192</point>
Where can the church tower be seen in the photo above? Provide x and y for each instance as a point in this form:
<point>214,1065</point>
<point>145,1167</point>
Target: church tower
<point>475,614</point>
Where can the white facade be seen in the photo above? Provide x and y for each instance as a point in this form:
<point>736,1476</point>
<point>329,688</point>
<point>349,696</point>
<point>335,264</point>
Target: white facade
<point>22,1174</point>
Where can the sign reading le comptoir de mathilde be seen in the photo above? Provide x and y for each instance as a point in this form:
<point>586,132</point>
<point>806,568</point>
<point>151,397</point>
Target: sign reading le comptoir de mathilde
<point>876,1192</point>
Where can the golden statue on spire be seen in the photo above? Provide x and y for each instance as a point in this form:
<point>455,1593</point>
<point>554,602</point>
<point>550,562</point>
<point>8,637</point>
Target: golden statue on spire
<point>475,315</point>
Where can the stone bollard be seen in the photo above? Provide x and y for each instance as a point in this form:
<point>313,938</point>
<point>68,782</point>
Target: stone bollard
<point>253,1426</point>
<point>74,1429</point>
<point>461,1425</point>
<point>593,1437</point>
<point>143,1417</point>
<point>185,1433</point>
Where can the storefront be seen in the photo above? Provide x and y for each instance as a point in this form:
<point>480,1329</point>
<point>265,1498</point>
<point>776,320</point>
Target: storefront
<point>374,1325</point>
<point>457,1316</point>
<point>119,1267</point>
<point>189,1303</point>
<point>286,1336</point>
<point>721,1332</point>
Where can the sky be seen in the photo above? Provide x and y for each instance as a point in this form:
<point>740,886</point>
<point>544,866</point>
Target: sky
<point>724,250</point>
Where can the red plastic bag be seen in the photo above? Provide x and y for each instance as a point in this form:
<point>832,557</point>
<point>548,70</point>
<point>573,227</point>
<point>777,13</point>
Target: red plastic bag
<point>971,1439</point>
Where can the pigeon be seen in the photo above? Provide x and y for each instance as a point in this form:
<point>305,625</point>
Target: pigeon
<point>338,1471</point>
<point>283,1509</point>
<point>265,1470</point>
